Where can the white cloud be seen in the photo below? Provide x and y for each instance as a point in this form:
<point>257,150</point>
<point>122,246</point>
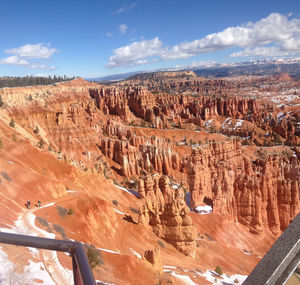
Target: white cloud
<point>30,55</point>
<point>124,8</point>
<point>33,51</point>
<point>108,34</point>
<point>123,29</point>
<point>14,60</point>
<point>275,29</point>
<point>261,52</point>
<point>135,53</point>
<point>275,35</point>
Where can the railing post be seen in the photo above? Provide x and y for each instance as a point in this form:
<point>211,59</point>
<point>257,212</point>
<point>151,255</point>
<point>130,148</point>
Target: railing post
<point>81,259</point>
<point>82,272</point>
<point>281,260</point>
<point>76,273</point>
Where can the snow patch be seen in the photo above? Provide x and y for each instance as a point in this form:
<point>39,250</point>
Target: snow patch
<point>34,251</point>
<point>184,278</point>
<point>124,189</point>
<point>203,210</point>
<point>208,123</point>
<point>104,283</point>
<point>169,266</point>
<point>132,192</point>
<point>32,271</point>
<point>108,250</point>
<point>228,124</point>
<point>135,253</point>
<point>119,212</point>
<point>72,191</point>
<point>38,271</point>
<point>211,276</point>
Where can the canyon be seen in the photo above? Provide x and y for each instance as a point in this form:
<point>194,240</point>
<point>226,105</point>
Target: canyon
<point>135,160</point>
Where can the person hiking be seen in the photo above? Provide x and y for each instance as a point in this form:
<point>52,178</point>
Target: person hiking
<point>28,204</point>
<point>39,203</point>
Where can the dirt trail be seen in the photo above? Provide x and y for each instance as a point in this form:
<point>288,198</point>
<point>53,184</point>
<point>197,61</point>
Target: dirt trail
<point>26,222</point>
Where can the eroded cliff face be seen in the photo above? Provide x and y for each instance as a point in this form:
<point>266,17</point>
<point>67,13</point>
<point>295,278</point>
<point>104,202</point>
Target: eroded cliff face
<point>166,212</point>
<point>93,127</point>
<point>137,154</point>
<point>260,193</point>
<point>75,143</point>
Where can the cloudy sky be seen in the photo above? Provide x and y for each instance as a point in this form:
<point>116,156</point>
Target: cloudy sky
<point>96,38</point>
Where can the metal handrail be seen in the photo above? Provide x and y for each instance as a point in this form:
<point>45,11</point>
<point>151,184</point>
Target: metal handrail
<point>281,260</point>
<point>82,272</point>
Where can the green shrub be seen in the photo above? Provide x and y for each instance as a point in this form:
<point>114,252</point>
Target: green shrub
<point>219,270</point>
<point>14,138</point>
<point>12,123</point>
<point>134,210</point>
<point>1,144</point>
<point>6,176</point>
<point>61,211</point>
<point>59,229</point>
<point>43,222</point>
<point>40,144</point>
<point>71,211</point>
<point>115,202</point>
<point>162,245</point>
<point>1,102</point>
<point>236,281</point>
<point>36,130</point>
<point>93,257</point>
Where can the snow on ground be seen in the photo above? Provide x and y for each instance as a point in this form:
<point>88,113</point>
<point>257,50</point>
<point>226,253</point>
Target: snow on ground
<point>135,253</point>
<point>184,278</point>
<point>169,266</point>
<point>247,252</point>
<point>54,266</point>
<point>104,283</point>
<point>228,120</point>
<point>124,189</point>
<point>8,273</point>
<point>132,192</point>
<point>32,271</point>
<point>34,251</point>
<point>214,278</point>
<point>203,210</point>
<point>208,123</point>
<point>11,162</point>
<point>108,250</point>
<point>280,116</point>
<point>25,224</point>
<point>72,191</point>
<point>119,212</point>
<point>37,270</point>
<point>238,123</point>
<point>228,124</point>
<point>209,275</point>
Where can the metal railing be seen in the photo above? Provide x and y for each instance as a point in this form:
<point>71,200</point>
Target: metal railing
<point>81,270</point>
<point>281,260</point>
<point>274,269</point>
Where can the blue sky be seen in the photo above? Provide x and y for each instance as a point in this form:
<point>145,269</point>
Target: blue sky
<point>98,38</point>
